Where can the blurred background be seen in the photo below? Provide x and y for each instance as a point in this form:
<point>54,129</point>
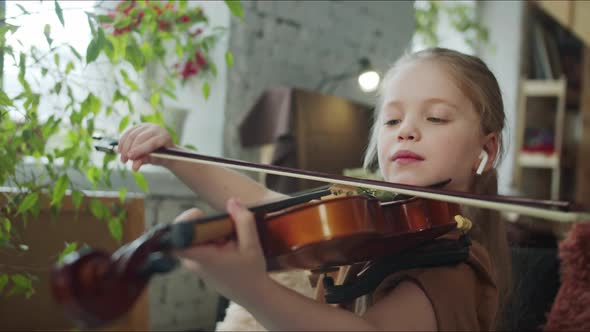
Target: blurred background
<point>292,83</point>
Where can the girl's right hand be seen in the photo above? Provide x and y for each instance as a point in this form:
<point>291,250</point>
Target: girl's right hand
<point>139,141</point>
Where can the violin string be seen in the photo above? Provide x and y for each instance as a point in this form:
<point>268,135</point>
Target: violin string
<point>567,217</point>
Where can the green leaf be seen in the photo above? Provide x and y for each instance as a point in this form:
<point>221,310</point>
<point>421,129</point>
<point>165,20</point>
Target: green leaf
<point>59,190</point>
<point>95,46</point>
<point>122,194</point>
<point>89,16</point>
<point>4,99</point>
<point>76,53</point>
<point>59,13</point>
<point>155,99</point>
<point>90,105</point>
<point>129,81</point>
<point>123,124</point>
<point>92,51</point>
<point>23,9</point>
<point>141,182</point>
<point>69,248</point>
<point>47,33</point>
<point>77,196</point>
<point>28,203</point>
<point>212,68</point>
<point>98,209</point>
<point>93,174</point>
<point>235,7</point>
<point>69,67</point>
<point>104,19</point>
<point>169,93</point>
<point>7,225</point>
<point>116,229</point>
<point>135,56</point>
<point>21,281</point>
<point>229,59</point>
<point>206,90</point>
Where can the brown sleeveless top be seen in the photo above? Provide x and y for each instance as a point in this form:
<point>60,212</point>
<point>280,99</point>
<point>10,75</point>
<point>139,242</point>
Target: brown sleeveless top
<point>464,296</point>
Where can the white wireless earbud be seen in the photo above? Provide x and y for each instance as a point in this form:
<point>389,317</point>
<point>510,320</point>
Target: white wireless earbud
<point>484,160</point>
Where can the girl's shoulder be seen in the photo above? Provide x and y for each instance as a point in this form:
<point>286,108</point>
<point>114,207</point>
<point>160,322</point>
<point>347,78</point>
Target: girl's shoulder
<point>463,296</point>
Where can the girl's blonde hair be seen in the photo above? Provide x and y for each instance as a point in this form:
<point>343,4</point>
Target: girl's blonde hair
<point>473,77</point>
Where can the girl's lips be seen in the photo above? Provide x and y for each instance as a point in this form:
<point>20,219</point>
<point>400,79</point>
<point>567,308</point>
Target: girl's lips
<point>405,157</point>
<point>405,161</point>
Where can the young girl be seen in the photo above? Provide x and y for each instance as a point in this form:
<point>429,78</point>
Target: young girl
<point>439,116</point>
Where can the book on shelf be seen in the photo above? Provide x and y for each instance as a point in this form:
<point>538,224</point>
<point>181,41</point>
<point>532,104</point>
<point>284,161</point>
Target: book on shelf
<point>545,54</point>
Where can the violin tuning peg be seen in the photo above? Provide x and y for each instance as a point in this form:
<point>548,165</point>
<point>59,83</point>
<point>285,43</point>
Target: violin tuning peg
<point>181,235</point>
<point>158,262</point>
<point>178,236</point>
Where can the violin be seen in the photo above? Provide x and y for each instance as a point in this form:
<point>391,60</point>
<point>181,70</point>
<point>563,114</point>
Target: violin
<point>96,288</point>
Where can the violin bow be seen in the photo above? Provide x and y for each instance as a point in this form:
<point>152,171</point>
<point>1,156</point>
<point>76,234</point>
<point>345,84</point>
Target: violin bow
<point>522,206</point>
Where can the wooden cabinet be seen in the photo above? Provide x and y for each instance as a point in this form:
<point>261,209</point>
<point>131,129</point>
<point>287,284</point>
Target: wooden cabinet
<point>331,132</point>
<point>306,130</point>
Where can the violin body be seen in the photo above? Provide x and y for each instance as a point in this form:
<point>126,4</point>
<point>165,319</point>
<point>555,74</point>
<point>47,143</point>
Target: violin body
<point>349,230</point>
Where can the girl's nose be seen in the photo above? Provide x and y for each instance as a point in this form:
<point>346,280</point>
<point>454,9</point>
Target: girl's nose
<point>408,131</point>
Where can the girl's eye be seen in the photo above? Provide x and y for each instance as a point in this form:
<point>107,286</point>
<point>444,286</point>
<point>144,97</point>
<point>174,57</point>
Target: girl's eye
<point>436,120</point>
<point>392,122</point>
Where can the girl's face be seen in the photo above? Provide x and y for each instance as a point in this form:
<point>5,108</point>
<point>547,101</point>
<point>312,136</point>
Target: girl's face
<point>428,130</point>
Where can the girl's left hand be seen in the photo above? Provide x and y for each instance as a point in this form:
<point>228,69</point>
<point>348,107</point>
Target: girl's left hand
<point>233,268</point>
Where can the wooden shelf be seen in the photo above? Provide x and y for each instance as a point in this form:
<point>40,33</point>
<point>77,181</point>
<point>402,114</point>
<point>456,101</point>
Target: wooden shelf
<point>538,160</point>
<point>544,88</point>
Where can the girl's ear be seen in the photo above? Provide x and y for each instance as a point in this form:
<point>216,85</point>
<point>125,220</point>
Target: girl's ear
<point>490,146</point>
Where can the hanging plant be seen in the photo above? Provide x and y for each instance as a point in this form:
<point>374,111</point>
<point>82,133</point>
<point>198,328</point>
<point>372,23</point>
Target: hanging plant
<point>462,19</point>
<point>125,40</point>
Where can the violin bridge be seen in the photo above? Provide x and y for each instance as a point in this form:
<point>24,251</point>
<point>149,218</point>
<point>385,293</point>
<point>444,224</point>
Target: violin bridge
<point>339,190</point>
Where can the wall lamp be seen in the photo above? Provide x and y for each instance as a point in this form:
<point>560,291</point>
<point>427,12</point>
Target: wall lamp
<point>368,79</point>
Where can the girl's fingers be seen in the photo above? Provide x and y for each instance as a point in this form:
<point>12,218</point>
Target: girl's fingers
<point>148,145</point>
<point>245,225</point>
<point>137,139</point>
<point>138,162</point>
<point>127,140</point>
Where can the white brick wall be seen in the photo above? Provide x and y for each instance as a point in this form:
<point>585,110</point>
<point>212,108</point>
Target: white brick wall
<point>298,43</point>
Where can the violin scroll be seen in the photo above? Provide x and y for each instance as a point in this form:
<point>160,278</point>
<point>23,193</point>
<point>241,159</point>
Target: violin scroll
<point>96,288</point>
